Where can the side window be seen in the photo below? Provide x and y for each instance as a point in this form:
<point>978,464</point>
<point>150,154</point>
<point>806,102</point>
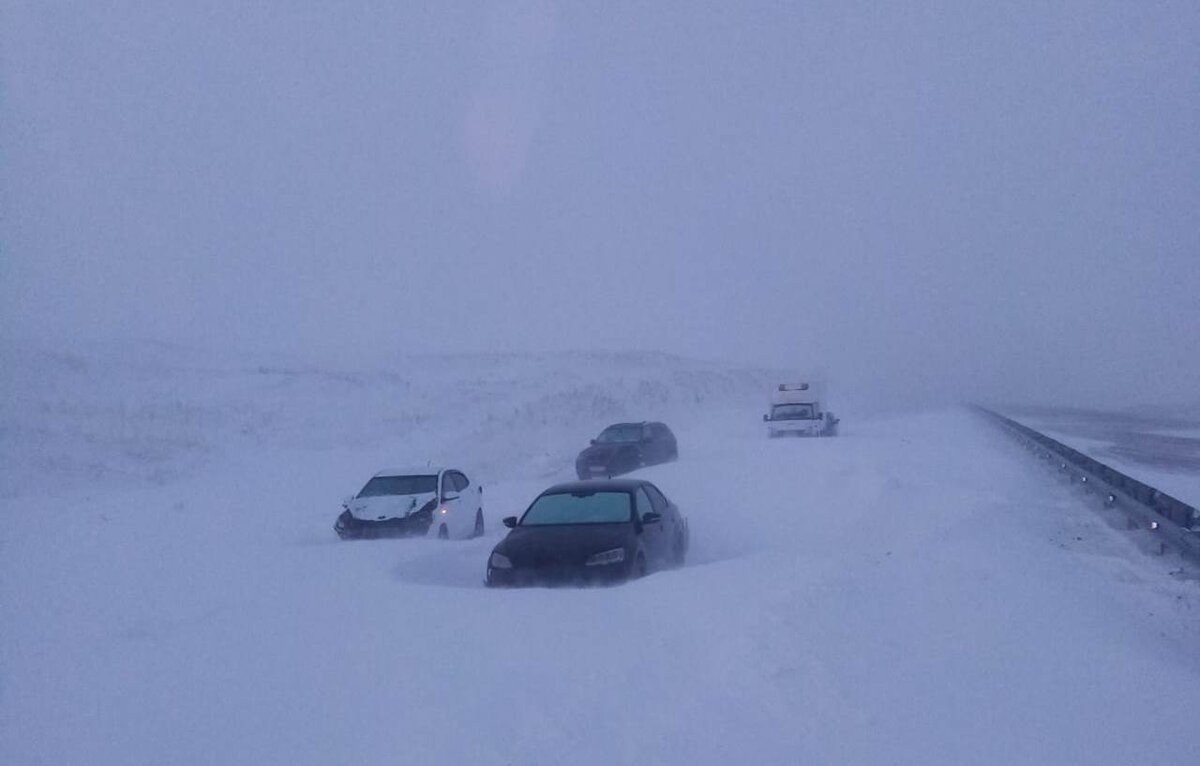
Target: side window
<point>656,499</point>
<point>643,504</point>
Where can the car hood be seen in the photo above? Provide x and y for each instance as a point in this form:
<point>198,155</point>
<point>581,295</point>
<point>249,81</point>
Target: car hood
<point>566,544</point>
<point>382,507</point>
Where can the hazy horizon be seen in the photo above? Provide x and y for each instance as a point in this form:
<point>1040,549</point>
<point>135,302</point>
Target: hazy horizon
<point>936,202</point>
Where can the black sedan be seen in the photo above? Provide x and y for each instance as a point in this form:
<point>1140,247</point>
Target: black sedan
<point>590,532</point>
<point>625,447</point>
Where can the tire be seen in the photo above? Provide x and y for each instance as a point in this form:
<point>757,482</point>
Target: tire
<point>443,533</point>
<point>478,524</point>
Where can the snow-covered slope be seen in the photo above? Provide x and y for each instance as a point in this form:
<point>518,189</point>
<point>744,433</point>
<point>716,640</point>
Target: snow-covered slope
<point>149,413</point>
<point>915,591</point>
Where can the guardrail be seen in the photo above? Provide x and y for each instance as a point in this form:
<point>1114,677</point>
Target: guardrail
<point>1175,521</point>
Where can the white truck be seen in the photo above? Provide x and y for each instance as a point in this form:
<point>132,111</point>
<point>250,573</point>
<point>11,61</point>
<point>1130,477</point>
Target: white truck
<point>797,409</point>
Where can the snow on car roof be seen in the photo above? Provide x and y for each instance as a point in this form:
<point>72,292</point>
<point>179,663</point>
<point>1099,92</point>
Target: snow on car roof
<point>428,470</point>
<point>596,485</point>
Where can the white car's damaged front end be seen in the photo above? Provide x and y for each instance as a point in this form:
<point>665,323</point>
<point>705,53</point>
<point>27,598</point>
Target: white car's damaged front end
<point>387,516</point>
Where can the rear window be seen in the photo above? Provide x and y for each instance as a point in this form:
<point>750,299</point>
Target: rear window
<point>621,433</point>
<point>578,508</point>
<point>400,485</point>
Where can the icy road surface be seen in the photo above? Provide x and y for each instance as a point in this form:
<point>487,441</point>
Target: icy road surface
<point>916,591</point>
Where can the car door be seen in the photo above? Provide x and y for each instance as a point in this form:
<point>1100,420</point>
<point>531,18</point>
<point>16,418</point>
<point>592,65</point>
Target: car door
<point>474,493</point>
<point>450,509</point>
<point>653,538</point>
<point>670,447</point>
<point>470,499</point>
<point>652,445</point>
<point>672,523</point>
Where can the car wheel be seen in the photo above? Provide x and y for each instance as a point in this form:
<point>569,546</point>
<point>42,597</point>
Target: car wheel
<point>443,533</point>
<point>478,523</point>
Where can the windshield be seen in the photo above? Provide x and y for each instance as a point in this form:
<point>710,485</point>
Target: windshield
<point>579,508</point>
<point>630,432</point>
<point>793,412</point>
<point>399,485</point>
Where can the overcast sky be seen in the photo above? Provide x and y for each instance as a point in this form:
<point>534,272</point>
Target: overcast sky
<point>949,199</point>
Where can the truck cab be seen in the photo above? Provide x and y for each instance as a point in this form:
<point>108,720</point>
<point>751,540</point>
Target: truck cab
<point>797,409</point>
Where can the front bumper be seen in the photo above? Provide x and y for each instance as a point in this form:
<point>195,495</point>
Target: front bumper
<point>795,428</point>
<point>350,528</point>
<point>558,575</point>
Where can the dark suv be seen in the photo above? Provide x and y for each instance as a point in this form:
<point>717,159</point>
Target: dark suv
<point>625,447</point>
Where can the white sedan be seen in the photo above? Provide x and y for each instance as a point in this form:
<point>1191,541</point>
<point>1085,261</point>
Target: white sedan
<point>440,502</point>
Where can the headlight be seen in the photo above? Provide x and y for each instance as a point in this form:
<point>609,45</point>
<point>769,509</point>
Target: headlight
<point>499,561</point>
<point>614,556</point>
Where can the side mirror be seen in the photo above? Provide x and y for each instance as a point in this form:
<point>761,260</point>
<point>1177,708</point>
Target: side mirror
<point>592,442</point>
<point>450,496</point>
<point>510,522</point>
<point>347,500</point>
<point>653,517</point>
<point>766,418</point>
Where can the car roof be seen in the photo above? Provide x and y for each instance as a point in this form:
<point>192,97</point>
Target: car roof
<point>638,423</point>
<point>595,485</point>
<point>429,470</point>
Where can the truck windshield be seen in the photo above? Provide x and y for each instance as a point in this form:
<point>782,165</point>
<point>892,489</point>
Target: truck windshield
<point>793,412</point>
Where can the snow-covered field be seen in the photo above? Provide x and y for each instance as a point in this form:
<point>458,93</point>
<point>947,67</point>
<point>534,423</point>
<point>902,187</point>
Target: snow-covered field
<point>915,591</point>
